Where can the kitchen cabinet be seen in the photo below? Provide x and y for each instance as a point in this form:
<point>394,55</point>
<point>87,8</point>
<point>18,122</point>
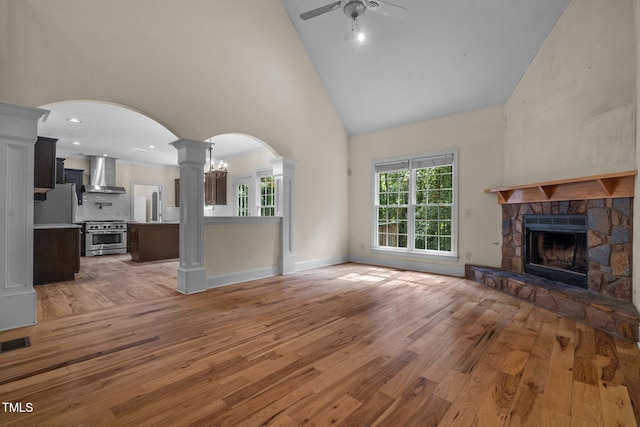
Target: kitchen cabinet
<point>44,165</point>
<point>154,241</point>
<point>215,190</point>
<point>60,171</point>
<point>177,190</point>
<point>56,252</point>
<point>75,176</point>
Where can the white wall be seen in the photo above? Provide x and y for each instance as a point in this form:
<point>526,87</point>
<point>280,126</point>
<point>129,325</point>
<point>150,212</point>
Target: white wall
<point>202,68</point>
<point>239,248</point>
<point>572,114</point>
<point>636,201</point>
<point>478,136</point>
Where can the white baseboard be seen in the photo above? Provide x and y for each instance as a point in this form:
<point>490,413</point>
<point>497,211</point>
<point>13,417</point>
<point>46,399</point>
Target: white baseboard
<point>243,276</point>
<point>414,265</point>
<point>318,263</point>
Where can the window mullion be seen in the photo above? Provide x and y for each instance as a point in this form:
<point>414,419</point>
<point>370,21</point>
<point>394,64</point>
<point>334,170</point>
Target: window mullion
<point>411,214</point>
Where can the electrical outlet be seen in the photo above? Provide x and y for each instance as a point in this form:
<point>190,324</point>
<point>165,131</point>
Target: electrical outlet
<point>467,213</point>
<point>467,256</point>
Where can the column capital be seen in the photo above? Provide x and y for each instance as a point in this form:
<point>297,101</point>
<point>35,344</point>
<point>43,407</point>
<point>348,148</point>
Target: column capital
<point>284,166</point>
<point>191,151</point>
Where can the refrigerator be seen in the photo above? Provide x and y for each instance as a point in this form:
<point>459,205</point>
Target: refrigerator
<point>60,207</point>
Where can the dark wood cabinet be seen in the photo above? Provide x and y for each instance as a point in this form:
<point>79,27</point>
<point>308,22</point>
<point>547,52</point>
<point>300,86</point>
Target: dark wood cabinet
<point>177,190</point>
<point>151,241</point>
<point>75,176</point>
<point>215,190</point>
<point>44,165</point>
<point>60,171</point>
<point>56,254</point>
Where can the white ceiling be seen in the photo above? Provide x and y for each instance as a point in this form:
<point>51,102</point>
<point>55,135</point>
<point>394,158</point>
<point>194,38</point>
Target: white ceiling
<point>122,133</point>
<point>444,57</point>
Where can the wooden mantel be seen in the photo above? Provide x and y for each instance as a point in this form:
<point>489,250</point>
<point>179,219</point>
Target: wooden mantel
<point>591,187</point>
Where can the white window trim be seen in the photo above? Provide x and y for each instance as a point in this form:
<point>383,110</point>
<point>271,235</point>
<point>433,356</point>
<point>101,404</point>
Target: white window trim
<point>410,251</point>
<point>244,180</point>
<point>260,173</point>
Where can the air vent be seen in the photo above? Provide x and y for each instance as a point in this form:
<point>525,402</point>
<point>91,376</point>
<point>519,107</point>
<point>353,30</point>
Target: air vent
<point>14,344</point>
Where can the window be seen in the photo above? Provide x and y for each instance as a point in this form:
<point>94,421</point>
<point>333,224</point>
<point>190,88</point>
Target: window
<point>415,204</point>
<point>267,197</point>
<point>242,200</point>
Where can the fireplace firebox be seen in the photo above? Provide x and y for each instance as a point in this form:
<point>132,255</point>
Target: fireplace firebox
<point>555,247</point>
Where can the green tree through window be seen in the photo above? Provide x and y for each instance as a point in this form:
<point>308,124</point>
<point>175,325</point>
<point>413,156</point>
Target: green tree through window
<point>415,204</point>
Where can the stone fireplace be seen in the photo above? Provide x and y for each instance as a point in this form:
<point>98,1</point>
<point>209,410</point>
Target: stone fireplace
<point>607,223</point>
<point>566,246</point>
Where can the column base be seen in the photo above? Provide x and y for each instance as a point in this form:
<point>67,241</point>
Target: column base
<point>288,265</point>
<point>192,280</point>
<point>17,310</point>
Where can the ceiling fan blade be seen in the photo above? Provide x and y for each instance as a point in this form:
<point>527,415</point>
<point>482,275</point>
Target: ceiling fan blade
<point>319,11</point>
<point>388,9</point>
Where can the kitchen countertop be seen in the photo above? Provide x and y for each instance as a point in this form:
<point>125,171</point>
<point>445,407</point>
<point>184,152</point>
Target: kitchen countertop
<point>50,226</point>
<point>156,223</point>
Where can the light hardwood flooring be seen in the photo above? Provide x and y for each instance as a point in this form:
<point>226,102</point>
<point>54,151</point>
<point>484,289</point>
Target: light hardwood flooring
<point>348,345</point>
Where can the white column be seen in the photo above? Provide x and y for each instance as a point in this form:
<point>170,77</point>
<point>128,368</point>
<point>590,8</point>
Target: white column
<point>18,134</point>
<point>284,174</point>
<point>192,274</point>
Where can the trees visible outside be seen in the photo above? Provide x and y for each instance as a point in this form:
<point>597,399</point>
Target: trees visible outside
<point>434,198</point>
<point>243,200</point>
<point>416,204</point>
<point>267,196</point>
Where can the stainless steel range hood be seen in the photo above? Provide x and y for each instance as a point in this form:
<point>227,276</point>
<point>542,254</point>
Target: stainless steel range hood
<point>102,176</point>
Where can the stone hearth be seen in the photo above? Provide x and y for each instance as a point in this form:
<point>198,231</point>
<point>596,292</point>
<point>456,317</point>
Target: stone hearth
<point>608,314</point>
<point>606,201</point>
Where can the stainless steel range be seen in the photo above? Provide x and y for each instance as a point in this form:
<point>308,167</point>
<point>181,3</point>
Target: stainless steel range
<point>105,237</point>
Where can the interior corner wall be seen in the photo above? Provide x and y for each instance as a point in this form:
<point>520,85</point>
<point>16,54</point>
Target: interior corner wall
<point>636,200</point>
<point>572,113</point>
<point>202,68</point>
<point>478,136</point>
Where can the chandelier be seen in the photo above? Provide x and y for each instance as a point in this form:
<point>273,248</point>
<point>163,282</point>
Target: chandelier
<point>216,170</point>
<point>213,178</point>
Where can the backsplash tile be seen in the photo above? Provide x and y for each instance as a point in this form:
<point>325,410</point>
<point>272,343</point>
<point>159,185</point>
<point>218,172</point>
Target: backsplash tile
<point>92,209</point>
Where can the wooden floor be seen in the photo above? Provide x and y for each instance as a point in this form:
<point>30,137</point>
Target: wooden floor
<point>348,345</point>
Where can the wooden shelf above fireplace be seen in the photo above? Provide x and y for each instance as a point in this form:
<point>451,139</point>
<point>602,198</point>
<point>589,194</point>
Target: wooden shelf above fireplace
<point>590,187</point>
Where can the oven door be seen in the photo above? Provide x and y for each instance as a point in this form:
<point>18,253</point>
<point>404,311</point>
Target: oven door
<point>103,242</point>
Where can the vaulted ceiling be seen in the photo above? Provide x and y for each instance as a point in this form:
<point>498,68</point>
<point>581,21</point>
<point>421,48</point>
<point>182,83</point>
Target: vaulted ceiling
<point>441,58</point>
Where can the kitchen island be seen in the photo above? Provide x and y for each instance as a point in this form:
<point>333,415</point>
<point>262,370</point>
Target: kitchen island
<point>153,241</point>
<point>56,252</point>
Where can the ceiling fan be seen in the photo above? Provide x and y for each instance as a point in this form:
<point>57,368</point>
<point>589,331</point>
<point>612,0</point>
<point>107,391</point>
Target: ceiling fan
<point>356,8</point>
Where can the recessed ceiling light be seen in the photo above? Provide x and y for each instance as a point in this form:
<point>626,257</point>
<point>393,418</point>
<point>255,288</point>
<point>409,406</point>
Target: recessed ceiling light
<point>74,120</point>
<point>151,146</point>
<point>105,154</point>
<point>361,37</point>
<point>76,143</point>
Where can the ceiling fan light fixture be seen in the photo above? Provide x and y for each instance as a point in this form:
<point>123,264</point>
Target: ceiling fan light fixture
<point>355,8</point>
